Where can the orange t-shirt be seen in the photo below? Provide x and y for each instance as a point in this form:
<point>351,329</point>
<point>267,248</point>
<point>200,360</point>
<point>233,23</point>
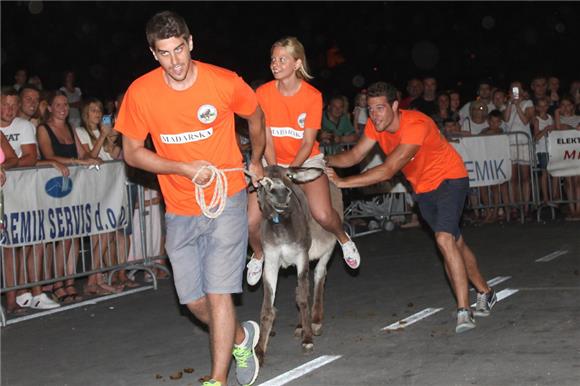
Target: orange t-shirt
<point>436,159</point>
<point>288,116</point>
<point>189,125</point>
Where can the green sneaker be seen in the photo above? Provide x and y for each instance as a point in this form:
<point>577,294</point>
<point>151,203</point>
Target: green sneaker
<point>247,365</point>
<point>211,382</point>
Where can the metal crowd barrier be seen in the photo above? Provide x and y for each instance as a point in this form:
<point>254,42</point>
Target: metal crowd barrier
<point>374,208</point>
<point>557,193</point>
<point>516,196</point>
<point>46,263</point>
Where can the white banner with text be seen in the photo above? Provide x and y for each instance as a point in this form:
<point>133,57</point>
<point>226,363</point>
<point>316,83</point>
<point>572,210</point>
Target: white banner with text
<point>40,205</point>
<point>564,153</point>
<point>486,158</point>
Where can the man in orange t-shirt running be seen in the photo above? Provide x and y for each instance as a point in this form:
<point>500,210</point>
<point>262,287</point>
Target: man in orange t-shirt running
<point>188,108</point>
<point>414,145</point>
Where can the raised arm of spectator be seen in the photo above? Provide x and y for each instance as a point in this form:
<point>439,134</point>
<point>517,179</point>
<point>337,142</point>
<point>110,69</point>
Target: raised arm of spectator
<point>104,131</point>
<point>525,115</point>
<point>111,144</point>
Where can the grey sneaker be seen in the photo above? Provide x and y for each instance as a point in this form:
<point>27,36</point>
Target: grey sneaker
<point>247,365</point>
<point>485,303</point>
<point>465,321</point>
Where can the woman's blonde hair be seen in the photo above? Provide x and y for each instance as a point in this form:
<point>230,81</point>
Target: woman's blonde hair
<point>85,117</point>
<point>296,50</point>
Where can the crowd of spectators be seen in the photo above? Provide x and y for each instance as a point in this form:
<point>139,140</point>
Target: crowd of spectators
<point>62,128</point>
<point>59,129</point>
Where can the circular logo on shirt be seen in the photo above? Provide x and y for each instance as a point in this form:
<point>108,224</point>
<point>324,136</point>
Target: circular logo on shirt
<point>206,114</point>
<point>301,120</point>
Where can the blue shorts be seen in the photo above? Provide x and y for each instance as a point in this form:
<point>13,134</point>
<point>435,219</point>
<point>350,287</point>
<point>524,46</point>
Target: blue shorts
<point>208,255</point>
<point>441,208</point>
<point>542,160</point>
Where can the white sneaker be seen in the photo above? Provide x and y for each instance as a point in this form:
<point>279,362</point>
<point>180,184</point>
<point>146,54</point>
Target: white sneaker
<point>43,302</point>
<point>254,272</point>
<point>350,254</point>
<point>24,300</point>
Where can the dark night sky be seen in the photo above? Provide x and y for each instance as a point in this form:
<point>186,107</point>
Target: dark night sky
<point>104,42</point>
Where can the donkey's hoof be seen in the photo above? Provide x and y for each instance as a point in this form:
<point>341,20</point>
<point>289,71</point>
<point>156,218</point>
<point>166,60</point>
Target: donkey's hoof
<point>317,329</point>
<point>307,348</point>
<point>260,354</point>
<point>298,332</point>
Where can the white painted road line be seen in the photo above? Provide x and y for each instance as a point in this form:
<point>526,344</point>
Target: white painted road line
<point>501,295</point>
<point>496,280</point>
<point>299,371</point>
<point>551,256</point>
<point>77,305</point>
<point>412,319</point>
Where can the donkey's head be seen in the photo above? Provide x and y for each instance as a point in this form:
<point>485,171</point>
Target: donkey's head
<point>277,190</point>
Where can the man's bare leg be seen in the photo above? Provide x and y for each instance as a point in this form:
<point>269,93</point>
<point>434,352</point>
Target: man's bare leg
<point>471,267</point>
<point>217,312</point>
<point>455,267</point>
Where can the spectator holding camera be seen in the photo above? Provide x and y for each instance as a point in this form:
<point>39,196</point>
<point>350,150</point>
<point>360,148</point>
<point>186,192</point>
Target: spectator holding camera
<point>518,116</point>
<point>97,136</point>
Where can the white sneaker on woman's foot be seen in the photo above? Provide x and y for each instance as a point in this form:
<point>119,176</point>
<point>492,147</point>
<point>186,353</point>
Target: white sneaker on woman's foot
<point>24,300</point>
<point>254,272</point>
<point>43,302</point>
<point>350,254</point>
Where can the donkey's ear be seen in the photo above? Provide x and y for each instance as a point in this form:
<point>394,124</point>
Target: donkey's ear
<point>302,175</point>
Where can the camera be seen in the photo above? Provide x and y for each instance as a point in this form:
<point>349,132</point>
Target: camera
<point>107,120</point>
<point>516,92</point>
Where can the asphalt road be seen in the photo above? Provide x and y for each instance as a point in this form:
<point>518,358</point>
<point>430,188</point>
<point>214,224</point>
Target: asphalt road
<point>531,338</point>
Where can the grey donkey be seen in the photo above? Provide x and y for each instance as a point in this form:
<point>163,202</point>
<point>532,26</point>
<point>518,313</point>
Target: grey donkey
<point>290,236</point>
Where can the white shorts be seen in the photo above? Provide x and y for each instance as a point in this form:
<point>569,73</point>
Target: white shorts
<point>520,153</point>
<point>314,162</point>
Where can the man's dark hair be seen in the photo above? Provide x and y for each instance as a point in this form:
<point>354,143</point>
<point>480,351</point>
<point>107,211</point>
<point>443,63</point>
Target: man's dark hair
<point>538,76</point>
<point>9,91</point>
<point>28,86</point>
<point>379,89</point>
<point>495,113</point>
<point>484,81</point>
<point>165,25</point>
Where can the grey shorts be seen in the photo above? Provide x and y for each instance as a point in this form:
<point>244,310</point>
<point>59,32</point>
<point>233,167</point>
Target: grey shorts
<point>208,255</point>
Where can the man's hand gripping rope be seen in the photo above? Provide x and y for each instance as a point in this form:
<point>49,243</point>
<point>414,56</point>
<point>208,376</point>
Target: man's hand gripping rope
<point>218,201</point>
